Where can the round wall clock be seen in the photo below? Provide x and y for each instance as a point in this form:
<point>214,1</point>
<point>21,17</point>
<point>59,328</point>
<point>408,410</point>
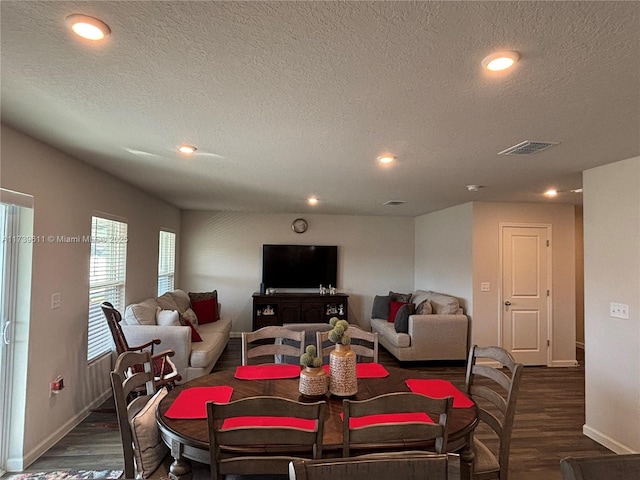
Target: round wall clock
<point>299,225</point>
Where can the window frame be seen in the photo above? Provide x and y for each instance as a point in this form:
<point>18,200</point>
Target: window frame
<point>166,260</point>
<point>107,282</point>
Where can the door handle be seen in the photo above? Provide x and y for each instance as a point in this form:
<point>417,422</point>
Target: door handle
<point>5,329</point>
<point>507,303</point>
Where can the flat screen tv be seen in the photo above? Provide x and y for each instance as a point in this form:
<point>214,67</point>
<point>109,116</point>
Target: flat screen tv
<point>299,266</point>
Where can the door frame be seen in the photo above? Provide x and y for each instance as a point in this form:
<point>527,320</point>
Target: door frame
<point>549,230</point>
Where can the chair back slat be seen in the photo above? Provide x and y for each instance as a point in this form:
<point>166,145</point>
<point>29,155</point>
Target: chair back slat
<point>369,350</point>
<point>271,333</point>
<point>266,449</point>
<point>396,433</point>
<point>410,465</point>
<point>495,391</point>
<point>127,405</point>
<point>113,320</point>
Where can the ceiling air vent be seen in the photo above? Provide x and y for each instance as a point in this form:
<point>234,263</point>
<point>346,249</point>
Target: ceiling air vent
<point>527,148</point>
<point>394,203</point>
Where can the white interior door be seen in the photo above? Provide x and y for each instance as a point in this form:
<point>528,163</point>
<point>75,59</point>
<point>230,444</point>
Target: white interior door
<point>526,293</point>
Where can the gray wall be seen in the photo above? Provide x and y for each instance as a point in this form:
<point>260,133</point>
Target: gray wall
<point>66,194</point>
<point>223,251</point>
<point>612,274</point>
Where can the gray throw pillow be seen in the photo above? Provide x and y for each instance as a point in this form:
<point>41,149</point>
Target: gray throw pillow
<point>401,323</point>
<point>400,297</point>
<point>425,308</point>
<point>380,307</point>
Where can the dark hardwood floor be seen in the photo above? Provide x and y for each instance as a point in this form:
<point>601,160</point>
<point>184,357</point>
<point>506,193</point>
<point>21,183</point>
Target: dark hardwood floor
<point>548,424</point>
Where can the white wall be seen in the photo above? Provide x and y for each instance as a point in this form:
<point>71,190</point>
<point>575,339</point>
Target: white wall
<point>612,274</point>
<point>443,260</point>
<point>487,217</point>
<point>223,251</point>
<point>66,193</point>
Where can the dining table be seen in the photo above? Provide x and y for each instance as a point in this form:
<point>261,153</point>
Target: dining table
<point>188,439</point>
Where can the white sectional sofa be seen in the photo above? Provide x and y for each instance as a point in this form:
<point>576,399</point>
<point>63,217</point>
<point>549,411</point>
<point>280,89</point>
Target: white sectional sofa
<point>440,335</point>
<point>192,359</point>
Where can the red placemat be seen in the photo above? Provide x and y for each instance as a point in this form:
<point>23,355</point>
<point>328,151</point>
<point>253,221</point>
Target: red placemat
<point>366,370</point>
<point>265,372</point>
<point>439,389</point>
<point>266,421</point>
<point>367,420</point>
<point>191,403</point>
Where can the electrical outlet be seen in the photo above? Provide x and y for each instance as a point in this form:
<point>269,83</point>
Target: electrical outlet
<point>619,310</point>
<point>56,301</point>
<point>485,287</point>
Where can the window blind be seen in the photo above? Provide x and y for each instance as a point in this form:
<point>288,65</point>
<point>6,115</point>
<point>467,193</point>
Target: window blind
<point>107,272</point>
<point>166,261</point>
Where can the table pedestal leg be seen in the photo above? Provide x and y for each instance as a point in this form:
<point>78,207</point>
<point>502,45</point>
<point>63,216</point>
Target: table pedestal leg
<point>180,468</point>
<point>466,460</point>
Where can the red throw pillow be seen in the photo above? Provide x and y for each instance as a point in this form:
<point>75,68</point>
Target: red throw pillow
<point>195,336</point>
<point>206,310</point>
<point>393,310</point>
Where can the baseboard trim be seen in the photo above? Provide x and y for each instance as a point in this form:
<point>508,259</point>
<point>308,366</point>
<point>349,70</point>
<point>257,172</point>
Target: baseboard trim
<point>580,345</point>
<point>19,464</point>
<point>235,335</point>
<point>564,363</point>
<point>606,441</point>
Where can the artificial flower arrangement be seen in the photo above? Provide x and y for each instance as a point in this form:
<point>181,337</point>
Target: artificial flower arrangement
<point>338,333</point>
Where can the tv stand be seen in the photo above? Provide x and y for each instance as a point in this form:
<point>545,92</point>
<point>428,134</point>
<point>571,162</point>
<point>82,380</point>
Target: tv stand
<point>281,308</point>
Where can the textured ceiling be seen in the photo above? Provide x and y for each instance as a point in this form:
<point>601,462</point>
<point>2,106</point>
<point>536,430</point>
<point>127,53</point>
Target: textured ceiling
<point>290,99</point>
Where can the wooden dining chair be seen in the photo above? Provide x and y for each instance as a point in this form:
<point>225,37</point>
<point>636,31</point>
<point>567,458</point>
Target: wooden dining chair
<point>134,394</point>
<point>495,392</point>
<point>247,436</point>
<point>366,344</point>
<point>608,466</point>
<point>396,434</point>
<point>262,349</point>
<point>164,370</point>
<point>410,465</point>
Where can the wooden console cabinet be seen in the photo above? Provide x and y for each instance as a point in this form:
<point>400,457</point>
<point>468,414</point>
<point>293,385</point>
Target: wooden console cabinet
<point>281,308</point>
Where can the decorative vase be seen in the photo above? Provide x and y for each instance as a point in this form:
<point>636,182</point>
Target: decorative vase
<point>313,382</point>
<point>342,364</point>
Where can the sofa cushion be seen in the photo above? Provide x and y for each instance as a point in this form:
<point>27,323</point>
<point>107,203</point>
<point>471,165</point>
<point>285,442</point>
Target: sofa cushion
<point>394,307</point>
<point>198,296</point>
<point>168,318</point>
<point>166,302</point>
<point>401,323</point>
<point>189,317</point>
<point>400,297</point>
<point>386,329</point>
<point>380,307</point>
<point>444,304</point>
<point>205,310</point>
<point>214,338</point>
<point>424,308</point>
<point>143,313</point>
<point>419,296</point>
<point>182,300</point>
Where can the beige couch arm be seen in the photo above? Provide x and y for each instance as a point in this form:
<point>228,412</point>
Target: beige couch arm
<point>177,339</point>
<point>444,336</point>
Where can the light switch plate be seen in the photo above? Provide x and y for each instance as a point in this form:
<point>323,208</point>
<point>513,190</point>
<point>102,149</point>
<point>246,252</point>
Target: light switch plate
<point>485,287</point>
<point>55,301</point>
<point>619,310</point>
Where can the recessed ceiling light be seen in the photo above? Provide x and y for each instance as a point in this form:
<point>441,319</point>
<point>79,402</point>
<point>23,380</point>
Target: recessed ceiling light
<point>386,158</point>
<point>551,193</point>
<point>187,149</point>
<point>312,201</point>
<point>88,27</point>
<point>500,60</point>
<point>577,190</point>
<point>474,188</point>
